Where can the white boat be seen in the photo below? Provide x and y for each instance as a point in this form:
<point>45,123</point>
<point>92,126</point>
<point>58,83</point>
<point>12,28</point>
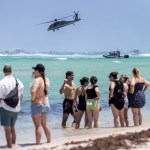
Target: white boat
<point>135,52</point>
<point>115,54</point>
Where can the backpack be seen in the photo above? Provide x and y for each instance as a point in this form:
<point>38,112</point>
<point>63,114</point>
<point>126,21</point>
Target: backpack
<point>12,98</point>
<point>118,91</point>
<point>118,98</point>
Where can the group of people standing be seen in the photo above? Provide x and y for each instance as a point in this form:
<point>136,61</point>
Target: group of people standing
<point>77,101</point>
<point>87,99</point>
<point>133,97</point>
<point>39,104</point>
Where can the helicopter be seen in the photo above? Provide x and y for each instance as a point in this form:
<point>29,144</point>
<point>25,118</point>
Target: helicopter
<point>59,24</point>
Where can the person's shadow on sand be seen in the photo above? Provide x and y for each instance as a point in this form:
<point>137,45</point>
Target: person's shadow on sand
<point>2,147</point>
<point>17,145</point>
<point>27,144</point>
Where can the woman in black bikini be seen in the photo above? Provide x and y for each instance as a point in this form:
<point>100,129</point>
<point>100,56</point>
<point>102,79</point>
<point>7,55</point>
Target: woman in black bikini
<point>81,103</point>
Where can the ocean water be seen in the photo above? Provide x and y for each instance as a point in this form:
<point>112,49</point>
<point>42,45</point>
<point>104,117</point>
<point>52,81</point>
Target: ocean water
<point>82,65</point>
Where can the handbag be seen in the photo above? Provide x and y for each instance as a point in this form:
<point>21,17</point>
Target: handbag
<point>12,98</point>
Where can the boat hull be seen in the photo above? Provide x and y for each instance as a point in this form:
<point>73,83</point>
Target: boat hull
<point>107,56</point>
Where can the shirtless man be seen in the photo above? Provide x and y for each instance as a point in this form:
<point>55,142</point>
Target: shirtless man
<point>68,88</point>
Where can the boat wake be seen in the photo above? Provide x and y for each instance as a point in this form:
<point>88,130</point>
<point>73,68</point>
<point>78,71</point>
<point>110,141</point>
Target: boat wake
<point>61,58</point>
<point>116,61</point>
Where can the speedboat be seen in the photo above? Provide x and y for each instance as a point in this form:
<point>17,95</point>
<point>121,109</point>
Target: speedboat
<point>115,54</point>
<point>135,52</point>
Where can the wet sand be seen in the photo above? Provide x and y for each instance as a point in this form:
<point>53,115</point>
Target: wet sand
<point>102,138</point>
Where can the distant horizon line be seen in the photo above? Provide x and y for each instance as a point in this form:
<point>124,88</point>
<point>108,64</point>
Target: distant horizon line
<point>63,51</point>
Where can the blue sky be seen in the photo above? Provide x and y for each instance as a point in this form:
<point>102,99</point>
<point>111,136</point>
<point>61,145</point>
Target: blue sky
<point>106,25</point>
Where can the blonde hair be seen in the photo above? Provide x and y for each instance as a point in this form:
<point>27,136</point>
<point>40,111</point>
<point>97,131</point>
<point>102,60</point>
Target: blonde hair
<point>136,72</point>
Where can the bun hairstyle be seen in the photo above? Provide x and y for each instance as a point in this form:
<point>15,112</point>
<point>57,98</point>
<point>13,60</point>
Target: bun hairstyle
<point>93,80</point>
<point>136,72</point>
<point>113,74</point>
<point>124,77</point>
<point>84,80</point>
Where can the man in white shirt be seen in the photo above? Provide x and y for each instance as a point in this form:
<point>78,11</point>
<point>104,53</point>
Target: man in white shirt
<point>9,114</point>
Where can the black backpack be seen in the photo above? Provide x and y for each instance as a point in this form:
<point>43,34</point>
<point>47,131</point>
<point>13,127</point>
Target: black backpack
<point>118,98</point>
<point>118,91</point>
<point>12,98</point>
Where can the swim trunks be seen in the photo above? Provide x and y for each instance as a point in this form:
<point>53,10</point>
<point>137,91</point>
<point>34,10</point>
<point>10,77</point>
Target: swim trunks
<point>8,118</point>
<point>68,106</point>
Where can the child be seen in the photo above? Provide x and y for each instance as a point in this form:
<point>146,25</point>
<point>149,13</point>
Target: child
<point>125,80</point>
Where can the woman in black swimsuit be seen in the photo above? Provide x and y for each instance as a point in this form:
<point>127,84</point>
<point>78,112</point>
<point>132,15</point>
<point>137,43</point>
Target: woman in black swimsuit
<point>80,93</point>
<point>117,109</point>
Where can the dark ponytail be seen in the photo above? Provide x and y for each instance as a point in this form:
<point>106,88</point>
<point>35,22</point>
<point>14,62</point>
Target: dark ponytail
<point>84,80</point>
<point>45,89</point>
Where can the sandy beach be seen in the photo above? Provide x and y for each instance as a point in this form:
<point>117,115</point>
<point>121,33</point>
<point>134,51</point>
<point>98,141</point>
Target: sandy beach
<point>101,138</point>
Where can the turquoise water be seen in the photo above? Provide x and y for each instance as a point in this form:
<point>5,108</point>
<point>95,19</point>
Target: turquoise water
<point>56,68</point>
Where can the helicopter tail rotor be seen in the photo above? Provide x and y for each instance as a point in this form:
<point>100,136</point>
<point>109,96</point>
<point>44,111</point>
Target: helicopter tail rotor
<point>76,12</point>
<point>76,15</point>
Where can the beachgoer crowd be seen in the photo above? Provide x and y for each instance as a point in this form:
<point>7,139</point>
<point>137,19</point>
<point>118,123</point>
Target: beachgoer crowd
<point>124,93</point>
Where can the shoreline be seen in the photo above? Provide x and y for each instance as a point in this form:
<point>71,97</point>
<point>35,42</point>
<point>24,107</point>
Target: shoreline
<point>88,137</point>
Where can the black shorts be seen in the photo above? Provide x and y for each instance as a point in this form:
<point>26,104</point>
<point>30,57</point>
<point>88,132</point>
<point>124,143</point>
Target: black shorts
<point>68,106</point>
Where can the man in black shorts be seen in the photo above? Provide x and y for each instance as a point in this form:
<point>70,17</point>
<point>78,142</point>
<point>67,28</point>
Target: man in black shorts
<point>68,89</point>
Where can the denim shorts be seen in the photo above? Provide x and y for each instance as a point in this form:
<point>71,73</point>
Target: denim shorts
<point>8,118</point>
<point>39,109</point>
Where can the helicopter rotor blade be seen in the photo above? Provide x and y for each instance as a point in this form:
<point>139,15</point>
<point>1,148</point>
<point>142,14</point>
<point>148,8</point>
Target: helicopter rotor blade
<point>55,20</point>
<point>65,17</point>
<point>44,22</point>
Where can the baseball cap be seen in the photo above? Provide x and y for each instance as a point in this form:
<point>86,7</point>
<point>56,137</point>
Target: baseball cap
<point>39,67</point>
